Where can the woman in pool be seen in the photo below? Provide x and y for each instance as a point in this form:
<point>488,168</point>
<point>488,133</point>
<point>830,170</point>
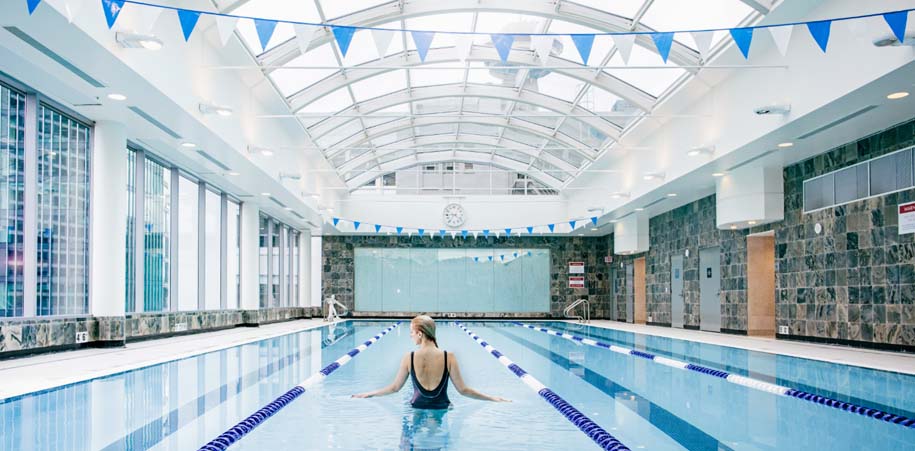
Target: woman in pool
<point>429,367</point>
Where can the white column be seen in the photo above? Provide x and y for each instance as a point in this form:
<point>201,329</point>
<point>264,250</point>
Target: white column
<point>316,271</point>
<point>108,213</point>
<point>250,256</point>
<point>304,273</point>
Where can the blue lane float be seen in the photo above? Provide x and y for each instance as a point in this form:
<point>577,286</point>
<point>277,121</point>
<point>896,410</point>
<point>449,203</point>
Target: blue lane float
<point>234,434</point>
<point>735,379</point>
<point>596,433</point>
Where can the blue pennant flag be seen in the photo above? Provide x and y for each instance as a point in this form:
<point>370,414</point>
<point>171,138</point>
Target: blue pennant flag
<point>421,231</point>
<point>508,233</point>
<point>490,257</point>
<point>264,31</point>
<point>820,32</point>
<point>32,5</point>
<point>663,42</point>
<point>112,9</point>
<point>441,233</point>
<point>583,43</point>
<point>486,233</point>
<point>530,230</point>
<point>551,226</point>
<point>377,228</point>
<point>188,21</point>
<point>594,220</point>
<point>399,229</point>
<point>336,220</point>
<point>356,225</point>
<point>897,22</point>
<point>464,233</point>
<point>502,257</point>
<point>515,255</point>
<point>743,37</point>
<point>503,44</point>
<point>343,35</point>
<point>423,40</point>
<point>572,223</point>
<point>528,253</point>
<point>476,259</point>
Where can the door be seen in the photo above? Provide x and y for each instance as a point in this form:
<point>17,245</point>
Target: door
<point>710,289</point>
<point>614,284</point>
<point>630,295</point>
<point>676,291</point>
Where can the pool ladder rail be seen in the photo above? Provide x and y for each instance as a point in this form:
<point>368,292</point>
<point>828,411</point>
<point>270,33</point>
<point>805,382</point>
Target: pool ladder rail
<point>585,317</point>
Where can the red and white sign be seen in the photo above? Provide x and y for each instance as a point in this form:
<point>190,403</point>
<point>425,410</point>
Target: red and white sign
<point>576,267</point>
<point>576,282</point>
<point>907,218</point>
<point>608,259</point>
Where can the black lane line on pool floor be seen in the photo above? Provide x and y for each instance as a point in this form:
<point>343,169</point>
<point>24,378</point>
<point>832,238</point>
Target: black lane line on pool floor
<point>678,429</point>
<point>741,371</point>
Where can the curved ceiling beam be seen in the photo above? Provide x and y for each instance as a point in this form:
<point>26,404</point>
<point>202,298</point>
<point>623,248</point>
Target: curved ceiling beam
<point>333,123</point>
<point>448,156</point>
<point>432,140</point>
<point>396,10</point>
<point>585,74</point>
<point>361,140</point>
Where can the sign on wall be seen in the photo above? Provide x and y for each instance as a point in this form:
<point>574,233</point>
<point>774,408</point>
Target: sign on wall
<point>907,218</point>
<point>576,267</point>
<point>608,259</point>
<point>576,282</point>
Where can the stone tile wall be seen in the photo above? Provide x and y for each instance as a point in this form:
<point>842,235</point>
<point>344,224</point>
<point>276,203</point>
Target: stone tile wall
<point>339,267</point>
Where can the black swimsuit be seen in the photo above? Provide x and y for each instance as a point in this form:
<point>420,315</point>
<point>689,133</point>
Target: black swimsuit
<point>436,398</point>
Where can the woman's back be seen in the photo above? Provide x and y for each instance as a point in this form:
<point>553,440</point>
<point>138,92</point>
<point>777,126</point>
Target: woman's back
<point>429,372</point>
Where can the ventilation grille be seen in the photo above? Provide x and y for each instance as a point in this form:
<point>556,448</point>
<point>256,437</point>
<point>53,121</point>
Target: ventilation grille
<point>306,222</point>
<point>213,160</point>
<point>154,122</point>
<point>277,202</point>
<point>54,56</point>
<point>838,121</point>
<point>738,165</point>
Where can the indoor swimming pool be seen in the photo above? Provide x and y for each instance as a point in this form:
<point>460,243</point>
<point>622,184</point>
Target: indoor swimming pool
<point>636,388</point>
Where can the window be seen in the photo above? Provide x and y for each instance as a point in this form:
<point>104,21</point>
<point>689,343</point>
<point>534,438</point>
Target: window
<point>263,261</point>
<point>12,150</point>
<point>278,247</point>
<point>130,301</point>
<point>156,237</point>
<point>851,184</point>
<point>882,175</point>
<point>62,214</point>
<point>213,271</point>
<point>188,233</point>
<point>234,256</point>
<point>275,269</point>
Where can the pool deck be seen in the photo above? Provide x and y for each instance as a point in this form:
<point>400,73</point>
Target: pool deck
<point>41,372</point>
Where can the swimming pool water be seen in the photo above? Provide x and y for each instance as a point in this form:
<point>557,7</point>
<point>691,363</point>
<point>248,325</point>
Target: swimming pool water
<point>186,403</point>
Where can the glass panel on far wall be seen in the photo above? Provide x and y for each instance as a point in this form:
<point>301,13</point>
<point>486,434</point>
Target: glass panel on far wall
<point>213,255</point>
<point>368,279</point>
<point>12,154</point>
<point>188,234</point>
<point>812,194</point>
<point>452,273</point>
<point>130,286</point>
<point>156,237</point>
<point>903,169</point>
<point>62,214</point>
<point>234,257</point>
<point>262,262</point>
<point>883,175</point>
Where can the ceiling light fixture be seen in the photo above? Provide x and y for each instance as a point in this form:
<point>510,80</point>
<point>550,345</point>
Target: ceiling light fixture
<point>265,194</point>
<point>733,227</point>
<point>695,152</point>
<point>289,176</point>
<point>751,222</point>
<point>116,96</point>
<point>652,176</point>
<point>785,144</point>
<point>188,145</point>
<point>897,95</point>
<point>138,41</point>
<point>594,229</point>
<point>619,195</point>
<point>260,150</point>
<point>640,209</point>
<point>671,194</point>
<point>208,108</point>
<point>233,174</point>
<point>718,174</point>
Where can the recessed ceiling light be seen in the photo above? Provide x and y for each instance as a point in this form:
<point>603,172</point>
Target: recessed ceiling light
<point>671,194</point>
<point>594,229</point>
<point>718,174</point>
<point>785,144</point>
<point>188,145</point>
<point>751,222</point>
<point>207,108</point>
<point>233,174</point>
<point>265,194</point>
<point>118,97</point>
<point>700,151</point>
<point>619,195</point>
<point>897,95</point>
<point>287,208</point>
<point>733,227</point>
<point>640,209</point>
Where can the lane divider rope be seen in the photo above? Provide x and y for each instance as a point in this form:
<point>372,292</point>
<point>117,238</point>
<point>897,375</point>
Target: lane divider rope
<point>580,420</point>
<point>234,434</point>
<point>736,379</point>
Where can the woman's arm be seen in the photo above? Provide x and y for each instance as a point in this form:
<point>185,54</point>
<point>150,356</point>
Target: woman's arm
<point>396,385</point>
<point>455,372</point>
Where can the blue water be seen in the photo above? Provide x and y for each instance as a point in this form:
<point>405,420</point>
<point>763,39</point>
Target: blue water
<point>184,404</point>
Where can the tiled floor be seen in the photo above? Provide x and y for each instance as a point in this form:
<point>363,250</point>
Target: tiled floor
<point>29,374</point>
<point>889,361</point>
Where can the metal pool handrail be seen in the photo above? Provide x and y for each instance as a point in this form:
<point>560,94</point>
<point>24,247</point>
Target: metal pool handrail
<point>596,433</point>
<point>226,439</point>
<point>736,379</point>
<point>586,317</point>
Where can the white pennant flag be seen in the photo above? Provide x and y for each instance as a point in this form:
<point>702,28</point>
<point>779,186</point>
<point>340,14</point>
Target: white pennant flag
<point>145,18</point>
<point>703,42</point>
<point>72,8</point>
<point>781,36</point>
<point>623,43</point>
<point>462,45</point>
<point>226,28</point>
<point>453,234</point>
<point>305,35</point>
<point>542,45</point>
<point>382,40</point>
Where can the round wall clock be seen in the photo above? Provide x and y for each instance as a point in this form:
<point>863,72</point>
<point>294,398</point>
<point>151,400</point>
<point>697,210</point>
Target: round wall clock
<point>453,215</point>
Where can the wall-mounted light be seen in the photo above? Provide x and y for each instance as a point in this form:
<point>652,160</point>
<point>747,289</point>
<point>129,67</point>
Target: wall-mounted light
<point>288,176</point>
<point>208,108</point>
<point>619,195</point>
<point>260,151</point>
<point>707,151</point>
<point>138,41</point>
<point>652,176</point>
